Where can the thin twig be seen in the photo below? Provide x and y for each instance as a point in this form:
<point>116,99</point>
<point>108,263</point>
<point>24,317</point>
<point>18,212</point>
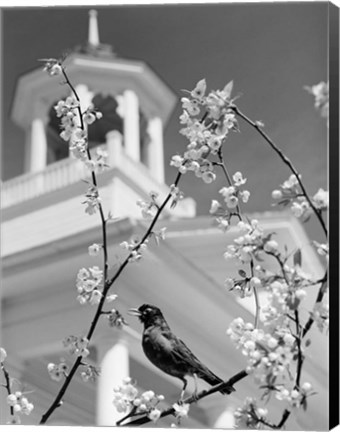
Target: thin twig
<point>7,385</point>
<point>107,283</point>
<point>287,161</point>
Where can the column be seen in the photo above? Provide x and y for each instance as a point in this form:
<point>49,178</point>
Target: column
<point>114,368</point>
<point>131,125</point>
<point>36,146</point>
<point>114,142</point>
<point>155,150</point>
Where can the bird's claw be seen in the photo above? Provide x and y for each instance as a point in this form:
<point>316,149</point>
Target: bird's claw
<point>195,396</point>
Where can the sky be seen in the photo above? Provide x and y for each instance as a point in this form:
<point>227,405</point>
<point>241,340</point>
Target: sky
<point>270,50</point>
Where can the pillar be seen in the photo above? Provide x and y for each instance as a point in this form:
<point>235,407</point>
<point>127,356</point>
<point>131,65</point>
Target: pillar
<point>114,142</point>
<point>131,125</point>
<point>36,146</point>
<point>114,368</point>
<point>155,150</point>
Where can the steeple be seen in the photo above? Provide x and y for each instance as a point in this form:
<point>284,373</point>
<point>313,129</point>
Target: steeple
<point>93,46</point>
<point>135,103</point>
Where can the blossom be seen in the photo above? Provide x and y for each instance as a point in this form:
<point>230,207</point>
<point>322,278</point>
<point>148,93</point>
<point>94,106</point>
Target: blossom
<point>116,319</point>
<point>271,246</point>
<point>291,182</point>
<point>94,249</point>
<point>77,345</point>
<point>276,194</point>
<point>322,249</point>
<point>20,403</point>
<point>90,116</point>
<point>88,281</point>
<point>199,90</point>
<point>250,415</point>
<point>154,414</point>
<point>238,179</point>
<point>181,410</point>
<point>321,199</point>
<point>215,205</point>
<point>89,373</point>
<point>57,372</point>
<point>320,314</point>
<point>148,209</point>
<point>52,66</point>
<point>127,396</point>
<point>3,354</point>
<point>245,195</point>
<point>321,93</point>
<point>92,200</point>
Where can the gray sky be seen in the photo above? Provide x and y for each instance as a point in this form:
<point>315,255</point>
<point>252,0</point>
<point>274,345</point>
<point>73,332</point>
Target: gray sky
<point>270,51</point>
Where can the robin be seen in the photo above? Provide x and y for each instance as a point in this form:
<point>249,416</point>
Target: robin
<point>169,353</point>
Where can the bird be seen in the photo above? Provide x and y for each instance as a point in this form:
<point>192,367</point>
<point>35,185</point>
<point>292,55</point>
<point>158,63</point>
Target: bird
<point>169,353</point>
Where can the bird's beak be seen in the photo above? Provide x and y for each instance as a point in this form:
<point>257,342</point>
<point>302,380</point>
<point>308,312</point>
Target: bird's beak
<point>134,312</point>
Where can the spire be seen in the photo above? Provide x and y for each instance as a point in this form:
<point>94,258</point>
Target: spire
<point>93,46</point>
<point>93,29</point>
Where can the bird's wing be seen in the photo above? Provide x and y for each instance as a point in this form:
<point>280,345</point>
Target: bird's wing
<point>184,354</point>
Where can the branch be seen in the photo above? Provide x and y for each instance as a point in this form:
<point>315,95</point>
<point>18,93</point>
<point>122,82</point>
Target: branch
<point>7,385</point>
<point>194,398</point>
<point>287,161</point>
<point>107,284</point>
<point>318,299</point>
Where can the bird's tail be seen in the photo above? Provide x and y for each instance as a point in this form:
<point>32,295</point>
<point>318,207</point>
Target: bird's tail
<point>213,380</point>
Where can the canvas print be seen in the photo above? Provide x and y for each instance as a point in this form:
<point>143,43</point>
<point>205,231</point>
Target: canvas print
<point>164,213</point>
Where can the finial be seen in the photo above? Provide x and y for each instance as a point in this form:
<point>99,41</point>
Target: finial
<point>93,29</point>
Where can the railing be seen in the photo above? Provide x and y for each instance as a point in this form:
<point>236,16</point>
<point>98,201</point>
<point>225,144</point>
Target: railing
<point>55,176</point>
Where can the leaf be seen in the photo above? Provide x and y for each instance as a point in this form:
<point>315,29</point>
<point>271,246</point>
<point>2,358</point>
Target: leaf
<point>308,342</point>
<point>242,273</point>
<point>297,258</point>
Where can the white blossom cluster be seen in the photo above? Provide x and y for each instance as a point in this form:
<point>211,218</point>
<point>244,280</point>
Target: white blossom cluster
<point>89,373</point>
<point>3,355</point>
<point>269,357</point>
<point>57,371</point>
<point>88,283</point>
<point>321,94</point>
<point>250,415</point>
<point>16,399</point>
<point>92,200</point>
<point>77,345</point>
<point>20,405</point>
<point>320,315</point>
<point>206,134</point>
<point>52,66</point>
<point>268,354</point>
<point>126,397</point>
<point>148,208</point>
<point>251,243</point>
<point>135,248</point>
<point>290,193</point>
<point>73,131</point>
<point>176,194</point>
<point>116,319</point>
<point>231,197</point>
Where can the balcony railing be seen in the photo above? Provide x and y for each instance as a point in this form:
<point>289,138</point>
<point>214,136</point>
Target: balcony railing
<point>55,176</point>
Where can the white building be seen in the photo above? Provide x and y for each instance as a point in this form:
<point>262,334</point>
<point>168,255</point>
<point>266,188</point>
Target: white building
<point>46,233</point>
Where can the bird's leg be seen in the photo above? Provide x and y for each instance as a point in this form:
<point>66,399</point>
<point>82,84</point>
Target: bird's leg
<point>194,395</point>
<point>185,383</point>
